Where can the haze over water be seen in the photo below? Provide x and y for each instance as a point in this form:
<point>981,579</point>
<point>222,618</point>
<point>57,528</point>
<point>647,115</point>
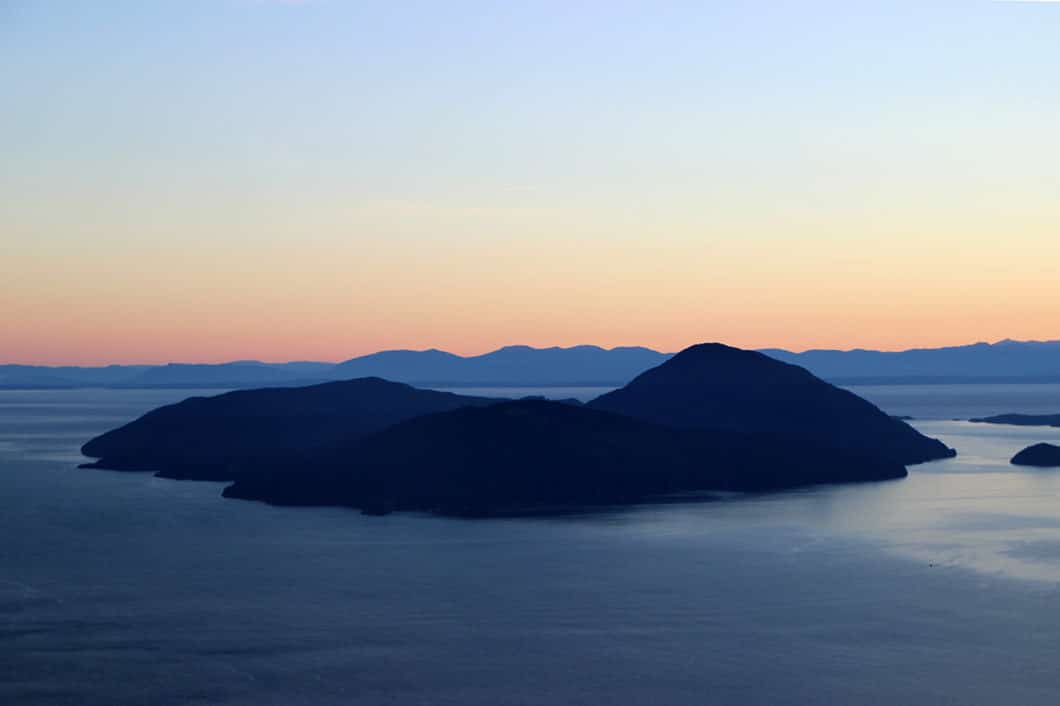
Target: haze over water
<point>126,589</point>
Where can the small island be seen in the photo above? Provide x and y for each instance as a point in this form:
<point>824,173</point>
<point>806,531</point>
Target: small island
<point>1039,456</point>
<point>1022,420</point>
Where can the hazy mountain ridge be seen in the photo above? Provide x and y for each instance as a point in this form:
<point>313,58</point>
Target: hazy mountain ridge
<point>511,365</point>
<point>1005,361</point>
<point>519,365</point>
<point>1037,361</point>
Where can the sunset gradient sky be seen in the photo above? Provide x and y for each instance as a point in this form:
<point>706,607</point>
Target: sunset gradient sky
<point>222,179</point>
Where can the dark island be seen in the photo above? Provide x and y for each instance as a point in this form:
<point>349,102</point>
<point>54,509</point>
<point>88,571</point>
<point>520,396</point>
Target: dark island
<point>217,438</point>
<point>1039,455</point>
<point>521,456</point>
<point>1022,420</point>
<point>712,418</point>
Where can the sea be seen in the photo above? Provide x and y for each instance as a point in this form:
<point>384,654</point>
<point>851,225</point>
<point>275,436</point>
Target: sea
<point>941,588</point>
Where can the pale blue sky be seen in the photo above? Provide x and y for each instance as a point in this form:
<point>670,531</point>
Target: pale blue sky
<point>341,132</point>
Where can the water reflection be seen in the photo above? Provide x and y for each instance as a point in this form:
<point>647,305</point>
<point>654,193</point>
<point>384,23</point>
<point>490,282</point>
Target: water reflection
<point>975,511</point>
<point>122,589</point>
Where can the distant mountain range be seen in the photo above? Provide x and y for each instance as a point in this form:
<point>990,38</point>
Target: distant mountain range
<point>512,365</point>
<point>1005,361</point>
<point>509,366</point>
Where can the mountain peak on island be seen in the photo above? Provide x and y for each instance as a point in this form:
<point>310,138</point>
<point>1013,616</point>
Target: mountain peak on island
<point>720,364</point>
<point>718,387</point>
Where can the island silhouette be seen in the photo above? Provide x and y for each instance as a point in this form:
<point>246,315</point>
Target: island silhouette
<point>216,438</point>
<point>1039,455</point>
<point>533,456</point>
<point>1022,420</point>
<point>711,418</point>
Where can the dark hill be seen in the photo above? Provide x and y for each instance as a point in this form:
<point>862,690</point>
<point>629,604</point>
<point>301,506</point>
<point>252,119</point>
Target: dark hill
<point>713,386</point>
<point>533,454</point>
<point>211,438</point>
<point>1040,455</point>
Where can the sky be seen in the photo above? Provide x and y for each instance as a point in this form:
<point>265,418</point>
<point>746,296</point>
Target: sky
<point>228,179</point>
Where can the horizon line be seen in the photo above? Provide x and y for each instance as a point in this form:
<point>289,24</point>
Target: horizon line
<point>254,361</point>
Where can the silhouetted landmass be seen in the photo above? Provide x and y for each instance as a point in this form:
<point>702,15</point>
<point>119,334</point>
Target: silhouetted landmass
<point>531,454</point>
<point>1022,420</point>
<point>1039,455</point>
<point>216,438</point>
<point>713,386</point>
<point>711,418</point>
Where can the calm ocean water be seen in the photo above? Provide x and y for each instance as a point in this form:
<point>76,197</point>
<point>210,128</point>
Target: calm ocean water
<point>943,588</point>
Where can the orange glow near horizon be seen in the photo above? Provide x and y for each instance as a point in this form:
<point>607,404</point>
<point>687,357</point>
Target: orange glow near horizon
<point>336,308</point>
<point>300,188</point>
<point>784,285</point>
